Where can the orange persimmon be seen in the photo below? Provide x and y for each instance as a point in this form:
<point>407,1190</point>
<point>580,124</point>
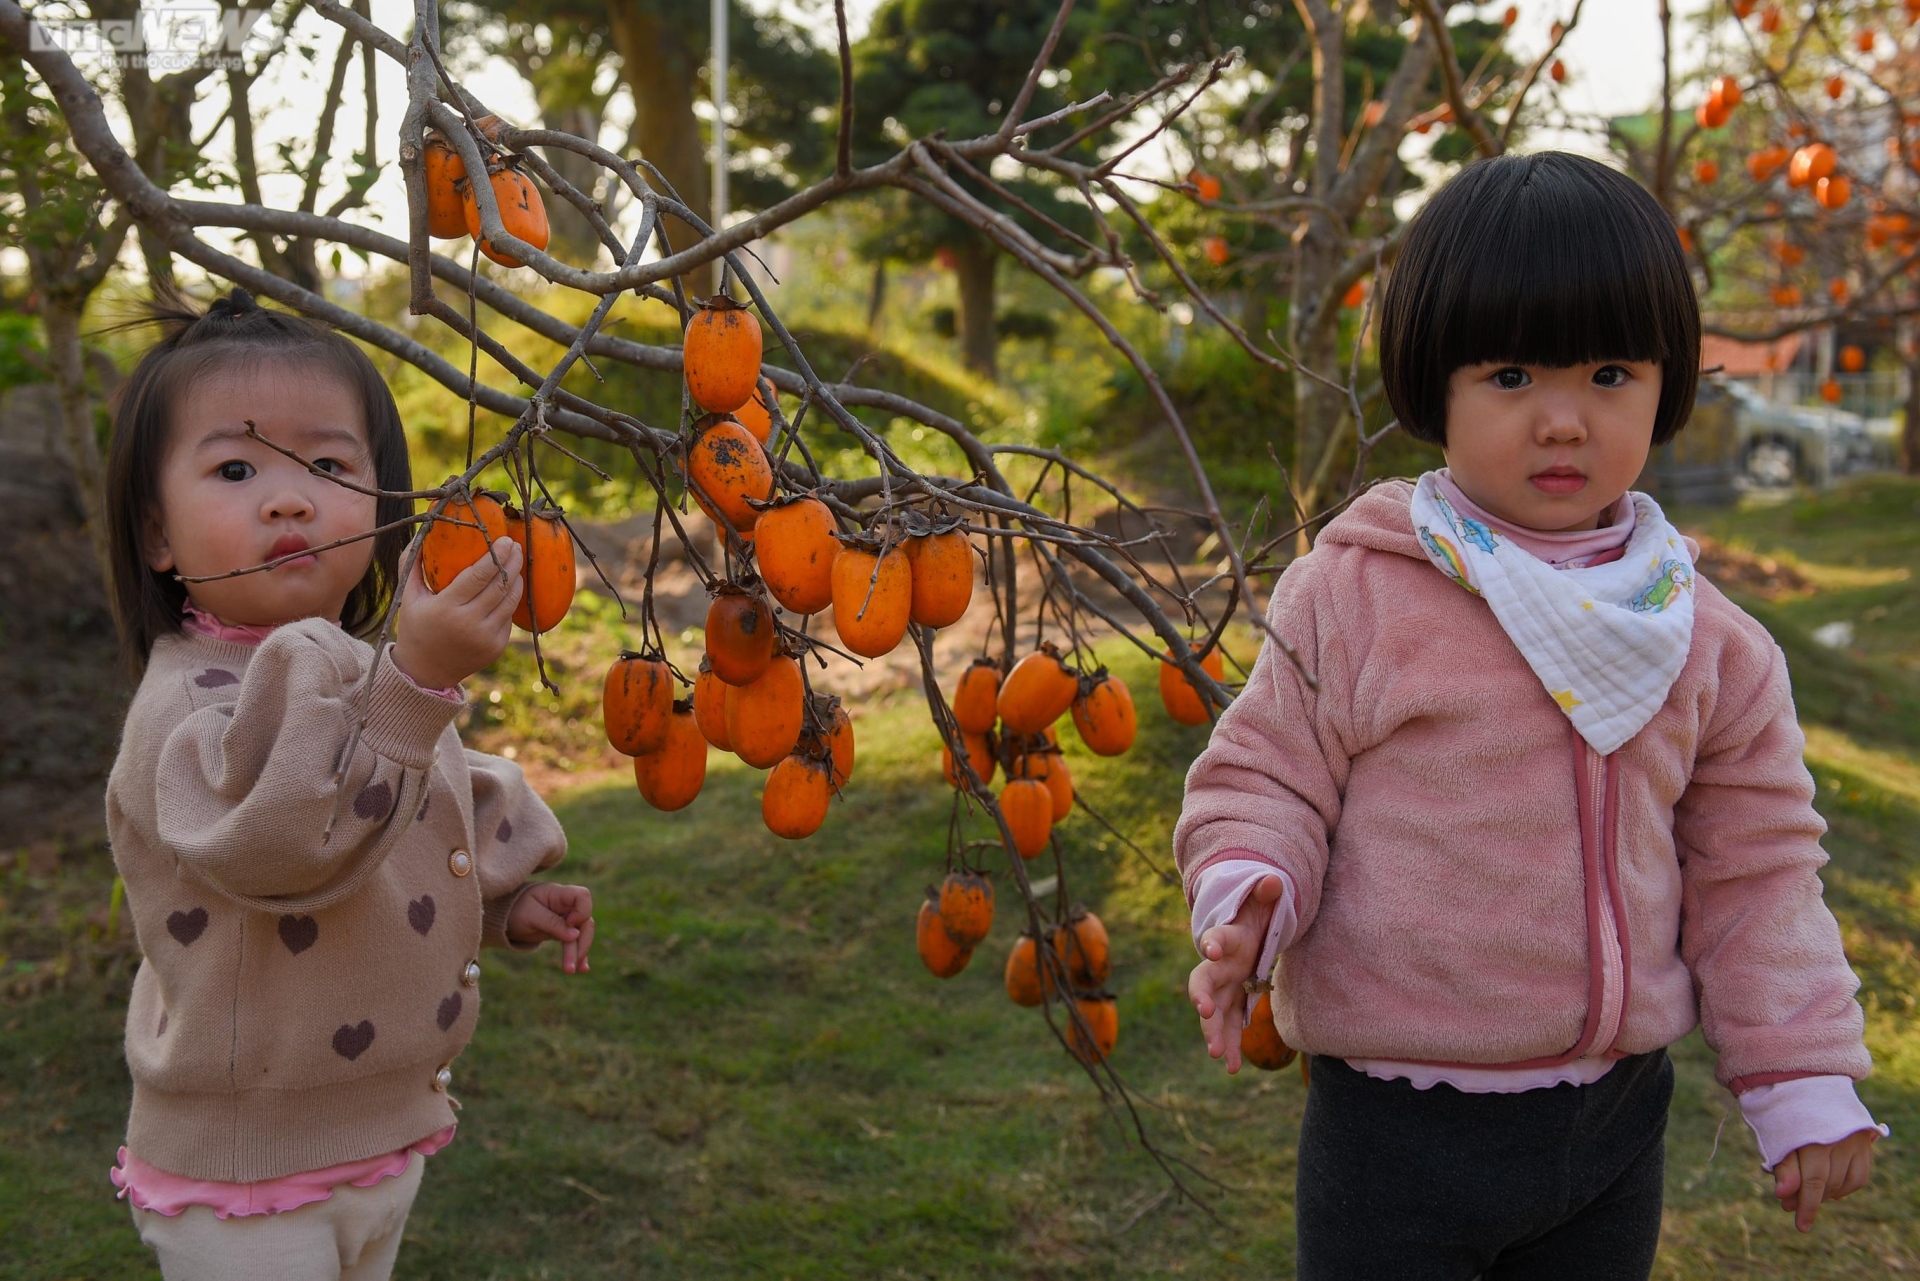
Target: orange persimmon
<point>671,776</point>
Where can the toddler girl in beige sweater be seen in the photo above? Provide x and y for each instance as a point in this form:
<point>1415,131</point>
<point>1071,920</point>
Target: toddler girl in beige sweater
<point>310,952</point>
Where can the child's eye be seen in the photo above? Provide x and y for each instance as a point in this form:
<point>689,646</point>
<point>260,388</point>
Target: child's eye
<point>1512,378</point>
<point>1612,376</point>
<point>332,466</point>
<point>235,470</point>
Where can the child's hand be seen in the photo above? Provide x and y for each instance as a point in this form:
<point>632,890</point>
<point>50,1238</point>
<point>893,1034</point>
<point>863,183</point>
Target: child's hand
<point>1823,1172</point>
<point>447,636</point>
<point>1232,950</point>
<point>549,911</point>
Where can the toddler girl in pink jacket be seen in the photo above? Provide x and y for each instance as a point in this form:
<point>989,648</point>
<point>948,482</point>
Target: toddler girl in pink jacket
<point>1546,811</point>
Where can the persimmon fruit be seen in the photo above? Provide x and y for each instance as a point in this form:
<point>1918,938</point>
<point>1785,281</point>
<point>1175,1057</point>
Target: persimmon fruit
<point>966,907</point>
<point>721,353</point>
<point>764,719</point>
<point>547,570</point>
<point>1177,694</point>
<point>1260,1041</point>
<point>872,596</point>
<point>794,544</point>
<point>450,548</point>
<point>670,776</point>
<point>741,635</point>
<point>794,803</point>
<point>636,704</point>
<point>1037,691</point>
<point>1103,712</point>
<point>942,956</point>
<point>729,472</point>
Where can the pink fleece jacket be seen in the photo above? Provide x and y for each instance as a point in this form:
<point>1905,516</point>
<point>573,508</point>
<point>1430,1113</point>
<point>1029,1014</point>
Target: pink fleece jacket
<point>1471,886</point>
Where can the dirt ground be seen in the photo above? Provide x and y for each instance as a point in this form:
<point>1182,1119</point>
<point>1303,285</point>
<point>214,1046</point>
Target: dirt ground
<point>60,696</point>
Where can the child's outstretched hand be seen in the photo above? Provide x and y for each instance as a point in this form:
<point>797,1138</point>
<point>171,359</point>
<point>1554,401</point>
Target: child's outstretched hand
<point>549,911</point>
<point>1231,952</point>
<point>447,636</point>
<point>1823,1172</point>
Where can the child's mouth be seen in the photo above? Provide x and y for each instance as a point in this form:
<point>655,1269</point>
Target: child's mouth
<point>1559,481</point>
<point>288,545</point>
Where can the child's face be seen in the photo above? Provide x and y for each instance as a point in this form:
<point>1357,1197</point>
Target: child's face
<point>227,501</point>
<point>1550,449</point>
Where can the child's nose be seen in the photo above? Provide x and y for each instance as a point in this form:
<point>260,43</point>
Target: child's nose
<point>1561,422</point>
<point>288,505</point>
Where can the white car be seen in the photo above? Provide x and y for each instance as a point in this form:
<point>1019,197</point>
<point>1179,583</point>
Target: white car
<point>1780,444</point>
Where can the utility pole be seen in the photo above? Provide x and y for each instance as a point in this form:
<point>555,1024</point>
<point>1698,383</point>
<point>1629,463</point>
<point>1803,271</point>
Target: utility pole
<point>719,114</point>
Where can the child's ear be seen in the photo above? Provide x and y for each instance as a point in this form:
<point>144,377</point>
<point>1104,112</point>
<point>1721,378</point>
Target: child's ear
<point>154,545</point>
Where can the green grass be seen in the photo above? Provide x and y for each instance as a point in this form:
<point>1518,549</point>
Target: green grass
<point>759,1079</point>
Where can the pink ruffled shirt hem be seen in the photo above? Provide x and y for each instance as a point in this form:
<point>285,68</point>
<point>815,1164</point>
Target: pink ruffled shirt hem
<point>165,1192</point>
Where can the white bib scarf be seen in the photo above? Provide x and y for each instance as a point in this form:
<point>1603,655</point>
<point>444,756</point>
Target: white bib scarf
<point>1607,641</point>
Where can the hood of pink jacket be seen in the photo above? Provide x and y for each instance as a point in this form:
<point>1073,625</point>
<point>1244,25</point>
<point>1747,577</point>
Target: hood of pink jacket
<point>1424,803</point>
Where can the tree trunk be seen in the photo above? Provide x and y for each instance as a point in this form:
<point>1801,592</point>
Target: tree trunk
<point>574,239</point>
<point>1910,431</point>
<point>1313,337</point>
<point>60,316</point>
<point>876,296</point>
<point>663,73</point>
<point>974,263</point>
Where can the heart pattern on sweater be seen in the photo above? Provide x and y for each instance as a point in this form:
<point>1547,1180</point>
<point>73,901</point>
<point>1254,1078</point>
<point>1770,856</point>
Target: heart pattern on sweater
<point>299,933</point>
<point>374,801</point>
<point>504,832</point>
<point>215,677</point>
<point>420,914</point>
<point>449,1012</point>
<point>350,1041</point>
<point>187,926</point>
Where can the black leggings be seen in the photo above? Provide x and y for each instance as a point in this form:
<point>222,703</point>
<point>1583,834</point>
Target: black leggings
<point>1436,1185</point>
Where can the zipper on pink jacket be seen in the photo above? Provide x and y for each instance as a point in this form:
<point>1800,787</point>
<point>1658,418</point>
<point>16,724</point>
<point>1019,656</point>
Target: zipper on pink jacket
<point>1599,813</point>
<point>1609,957</point>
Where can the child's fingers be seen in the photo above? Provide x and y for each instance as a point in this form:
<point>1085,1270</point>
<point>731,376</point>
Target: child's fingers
<point>415,586</point>
<point>1230,1021</point>
<point>1786,1179</point>
<point>1201,985</point>
<point>1815,1171</point>
<point>585,943</point>
<point>1850,1168</point>
<point>539,916</point>
<point>484,579</point>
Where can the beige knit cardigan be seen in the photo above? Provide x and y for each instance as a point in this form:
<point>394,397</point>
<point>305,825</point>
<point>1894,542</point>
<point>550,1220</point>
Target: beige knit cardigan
<point>301,996</point>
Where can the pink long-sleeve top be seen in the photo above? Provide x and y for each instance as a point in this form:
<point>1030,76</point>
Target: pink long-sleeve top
<point>163,1191</point>
<point>1785,1108</point>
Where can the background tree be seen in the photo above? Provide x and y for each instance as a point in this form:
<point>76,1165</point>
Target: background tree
<point>778,81</point>
<point>57,212</point>
<point>1294,161</point>
<point>927,66</point>
<point>1796,179</point>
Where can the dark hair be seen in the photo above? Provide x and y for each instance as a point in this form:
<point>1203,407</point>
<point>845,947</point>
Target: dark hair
<point>233,330</point>
<point>1549,259</point>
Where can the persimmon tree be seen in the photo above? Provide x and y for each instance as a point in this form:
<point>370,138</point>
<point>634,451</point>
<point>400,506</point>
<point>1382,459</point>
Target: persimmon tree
<point>900,535</point>
<point>1795,174</point>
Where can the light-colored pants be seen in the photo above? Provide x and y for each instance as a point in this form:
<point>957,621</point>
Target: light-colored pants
<point>353,1235</point>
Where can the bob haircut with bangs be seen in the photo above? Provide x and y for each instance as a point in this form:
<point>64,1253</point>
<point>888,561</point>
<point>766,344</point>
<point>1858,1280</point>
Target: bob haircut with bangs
<point>1549,259</point>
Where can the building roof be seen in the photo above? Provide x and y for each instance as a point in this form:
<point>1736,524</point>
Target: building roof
<point>1749,359</point>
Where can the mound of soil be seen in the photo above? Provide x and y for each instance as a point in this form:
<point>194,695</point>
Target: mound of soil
<point>61,697</point>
